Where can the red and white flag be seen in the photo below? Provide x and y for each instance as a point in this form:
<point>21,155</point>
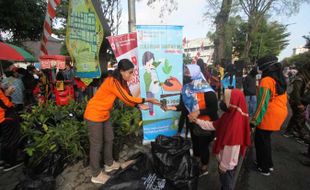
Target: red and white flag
<point>198,54</point>
<point>47,26</point>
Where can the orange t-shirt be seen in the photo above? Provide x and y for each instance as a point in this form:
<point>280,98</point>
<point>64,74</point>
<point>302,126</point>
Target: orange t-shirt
<point>99,106</point>
<point>6,101</point>
<point>276,111</point>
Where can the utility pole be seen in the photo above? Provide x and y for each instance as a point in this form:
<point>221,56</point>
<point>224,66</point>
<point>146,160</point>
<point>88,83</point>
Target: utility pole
<point>131,15</point>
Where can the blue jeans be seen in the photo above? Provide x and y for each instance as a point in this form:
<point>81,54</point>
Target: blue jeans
<point>251,102</point>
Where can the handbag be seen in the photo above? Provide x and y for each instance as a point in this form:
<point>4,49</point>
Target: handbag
<point>198,131</point>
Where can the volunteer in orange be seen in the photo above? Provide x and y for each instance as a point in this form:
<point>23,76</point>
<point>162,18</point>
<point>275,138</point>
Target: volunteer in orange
<point>97,117</point>
<point>271,110</point>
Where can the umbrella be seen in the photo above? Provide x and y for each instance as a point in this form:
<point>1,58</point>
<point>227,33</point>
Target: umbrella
<point>14,53</point>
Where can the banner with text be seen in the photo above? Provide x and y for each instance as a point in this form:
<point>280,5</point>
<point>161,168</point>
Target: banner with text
<point>84,38</point>
<point>125,47</point>
<point>160,58</point>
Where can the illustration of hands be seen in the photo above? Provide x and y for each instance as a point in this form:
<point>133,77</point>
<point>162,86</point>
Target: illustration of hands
<point>172,84</point>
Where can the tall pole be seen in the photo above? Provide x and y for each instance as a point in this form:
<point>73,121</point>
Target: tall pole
<point>131,15</point>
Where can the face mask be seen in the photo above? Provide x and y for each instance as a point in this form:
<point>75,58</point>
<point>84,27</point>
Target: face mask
<point>187,79</point>
<point>223,106</point>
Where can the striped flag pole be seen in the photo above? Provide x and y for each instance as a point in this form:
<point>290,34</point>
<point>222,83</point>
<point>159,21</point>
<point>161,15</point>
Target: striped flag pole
<point>198,54</point>
<point>47,26</point>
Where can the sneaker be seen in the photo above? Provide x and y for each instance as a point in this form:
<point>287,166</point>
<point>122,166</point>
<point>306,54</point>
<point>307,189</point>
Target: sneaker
<point>102,178</point>
<point>204,173</point>
<point>271,169</point>
<point>114,166</point>
<point>263,172</point>
<point>300,141</point>
<point>9,167</point>
<point>288,135</point>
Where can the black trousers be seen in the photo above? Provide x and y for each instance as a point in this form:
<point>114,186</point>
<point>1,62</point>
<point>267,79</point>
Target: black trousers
<point>201,147</point>
<point>227,179</point>
<point>10,140</point>
<point>263,149</point>
<point>297,122</point>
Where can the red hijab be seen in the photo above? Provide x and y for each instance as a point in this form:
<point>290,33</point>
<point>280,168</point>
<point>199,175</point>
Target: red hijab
<point>233,128</point>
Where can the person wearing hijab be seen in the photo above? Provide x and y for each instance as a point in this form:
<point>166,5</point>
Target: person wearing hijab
<point>199,100</point>
<point>271,110</point>
<point>232,133</point>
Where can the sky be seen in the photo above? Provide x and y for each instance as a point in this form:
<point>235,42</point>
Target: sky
<point>190,15</point>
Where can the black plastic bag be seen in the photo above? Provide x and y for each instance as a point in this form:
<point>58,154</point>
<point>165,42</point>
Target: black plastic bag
<point>138,176</point>
<point>53,164</point>
<point>40,182</point>
<point>173,162</point>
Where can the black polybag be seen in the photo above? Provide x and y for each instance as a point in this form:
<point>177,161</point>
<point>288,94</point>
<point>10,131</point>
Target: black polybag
<point>40,182</point>
<point>138,176</point>
<point>173,162</point>
<point>53,164</point>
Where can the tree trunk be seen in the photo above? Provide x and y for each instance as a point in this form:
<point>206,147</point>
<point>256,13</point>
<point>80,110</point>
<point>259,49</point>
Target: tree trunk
<point>220,34</point>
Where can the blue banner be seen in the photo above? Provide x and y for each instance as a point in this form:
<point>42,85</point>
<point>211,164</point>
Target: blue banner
<point>160,58</point>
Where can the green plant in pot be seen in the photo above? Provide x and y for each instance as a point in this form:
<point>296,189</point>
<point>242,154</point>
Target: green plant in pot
<point>127,125</point>
<point>52,131</point>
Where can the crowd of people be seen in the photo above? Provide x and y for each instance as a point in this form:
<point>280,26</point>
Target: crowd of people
<point>206,89</point>
<point>19,90</point>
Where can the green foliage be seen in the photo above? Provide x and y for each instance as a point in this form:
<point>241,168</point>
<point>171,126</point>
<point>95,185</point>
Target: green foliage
<point>303,58</point>
<point>126,120</point>
<point>49,128</point>
<point>127,126</point>
<point>24,19</point>
<point>271,38</point>
<point>186,58</point>
<point>167,67</point>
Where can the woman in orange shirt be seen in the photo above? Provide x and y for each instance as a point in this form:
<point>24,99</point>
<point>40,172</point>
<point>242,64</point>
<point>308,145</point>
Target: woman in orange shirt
<point>97,117</point>
<point>271,110</point>
<point>9,130</point>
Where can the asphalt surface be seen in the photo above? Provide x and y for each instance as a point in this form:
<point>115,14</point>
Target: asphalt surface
<point>289,173</point>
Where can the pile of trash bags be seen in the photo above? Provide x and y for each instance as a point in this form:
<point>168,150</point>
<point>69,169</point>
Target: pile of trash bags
<point>169,166</point>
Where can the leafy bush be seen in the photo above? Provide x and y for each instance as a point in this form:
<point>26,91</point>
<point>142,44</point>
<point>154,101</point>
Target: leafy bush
<point>127,125</point>
<point>49,129</point>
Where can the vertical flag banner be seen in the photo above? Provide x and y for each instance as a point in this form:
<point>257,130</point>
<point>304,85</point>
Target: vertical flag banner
<point>160,58</point>
<point>125,47</point>
<point>84,38</point>
<point>47,26</point>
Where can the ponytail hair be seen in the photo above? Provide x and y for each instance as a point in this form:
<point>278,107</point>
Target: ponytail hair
<point>123,65</point>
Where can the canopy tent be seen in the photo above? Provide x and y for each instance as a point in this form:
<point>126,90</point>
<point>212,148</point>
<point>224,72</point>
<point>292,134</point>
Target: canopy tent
<point>10,52</point>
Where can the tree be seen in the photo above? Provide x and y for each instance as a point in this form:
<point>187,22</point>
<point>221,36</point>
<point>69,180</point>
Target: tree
<point>257,9</point>
<point>23,20</point>
<point>221,20</point>
<point>307,38</point>
<point>270,38</point>
<point>169,6</point>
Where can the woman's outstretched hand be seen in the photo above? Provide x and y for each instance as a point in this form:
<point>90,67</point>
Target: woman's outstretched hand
<point>153,101</point>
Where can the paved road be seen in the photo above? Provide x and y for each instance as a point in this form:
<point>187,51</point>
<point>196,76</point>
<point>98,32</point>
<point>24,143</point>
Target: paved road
<point>289,173</point>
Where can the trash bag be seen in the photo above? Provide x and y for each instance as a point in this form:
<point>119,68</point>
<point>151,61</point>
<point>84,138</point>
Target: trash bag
<point>138,176</point>
<point>53,164</point>
<point>40,182</point>
<point>173,162</point>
